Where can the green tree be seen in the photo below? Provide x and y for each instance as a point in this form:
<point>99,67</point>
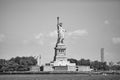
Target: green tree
<point>2,64</point>
<point>84,62</point>
<point>17,64</point>
<point>99,65</point>
<point>73,61</point>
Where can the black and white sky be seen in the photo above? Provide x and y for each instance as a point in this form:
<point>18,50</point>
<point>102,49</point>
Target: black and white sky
<point>28,28</point>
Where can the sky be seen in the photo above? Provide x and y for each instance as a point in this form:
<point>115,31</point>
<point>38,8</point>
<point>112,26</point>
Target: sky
<point>28,28</point>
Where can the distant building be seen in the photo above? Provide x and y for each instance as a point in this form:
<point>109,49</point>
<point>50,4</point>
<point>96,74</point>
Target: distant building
<point>83,68</point>
<point>48,67</point>
<point>36,68</point>
<point>102,54</point>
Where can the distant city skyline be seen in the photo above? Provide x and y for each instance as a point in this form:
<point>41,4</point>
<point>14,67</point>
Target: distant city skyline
<point>28,28</point>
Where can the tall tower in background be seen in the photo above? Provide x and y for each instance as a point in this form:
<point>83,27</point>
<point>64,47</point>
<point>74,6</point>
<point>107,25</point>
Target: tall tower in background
<point>39,60</point>
<point>102,54</point>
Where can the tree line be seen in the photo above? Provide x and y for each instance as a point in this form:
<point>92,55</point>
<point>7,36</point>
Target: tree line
<point>96,65</point>
<point>24,64</point>
<point>17,64</point>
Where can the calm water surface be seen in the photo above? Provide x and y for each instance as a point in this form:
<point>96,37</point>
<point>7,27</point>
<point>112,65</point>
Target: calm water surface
<point>59,77</point>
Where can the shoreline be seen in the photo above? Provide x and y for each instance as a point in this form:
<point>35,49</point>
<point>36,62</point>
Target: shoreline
<point>63,72</point>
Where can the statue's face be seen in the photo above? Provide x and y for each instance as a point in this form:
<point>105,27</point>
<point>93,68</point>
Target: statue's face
<point>61,24</point>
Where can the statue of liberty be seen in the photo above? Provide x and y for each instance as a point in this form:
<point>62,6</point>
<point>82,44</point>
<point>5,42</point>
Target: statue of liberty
<point>60,31</point>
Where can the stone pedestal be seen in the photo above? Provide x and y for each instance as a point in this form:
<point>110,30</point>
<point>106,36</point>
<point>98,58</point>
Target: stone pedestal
<point>60,62</point>
<point>60,52</point>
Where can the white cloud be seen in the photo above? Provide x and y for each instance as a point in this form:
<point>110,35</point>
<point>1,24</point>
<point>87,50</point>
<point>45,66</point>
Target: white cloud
<point>75,33</point>
<point>116,40</point>
<point>25,41</point>
<point>53,34</point>
<point>2,36</point>
<point>78,33</point>
<point>38,36</point>
<point>106,22</point>
<point>41,42</point>
<point>52,44</point>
